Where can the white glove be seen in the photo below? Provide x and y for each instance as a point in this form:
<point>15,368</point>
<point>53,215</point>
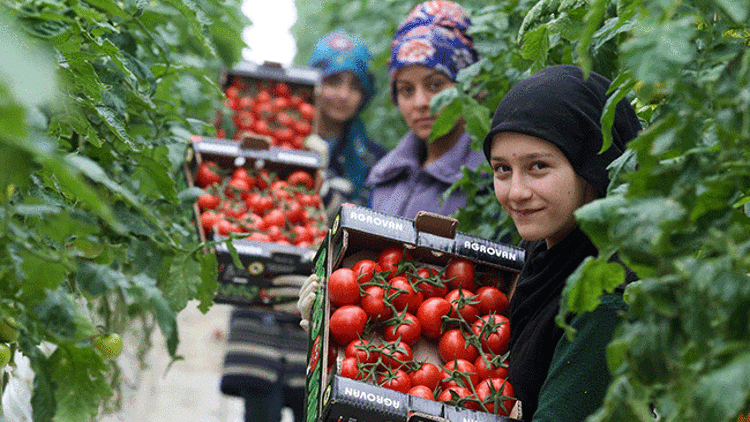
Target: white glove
<point>317,144</point>
<point>306,299</point>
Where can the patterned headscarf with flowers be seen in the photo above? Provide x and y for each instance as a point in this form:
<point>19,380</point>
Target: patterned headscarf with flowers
<point>434,34</point>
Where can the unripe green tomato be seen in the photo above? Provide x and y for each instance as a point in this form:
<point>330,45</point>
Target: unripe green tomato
<point>109,345</point>
<point>8,330</point>
<point>4,355</point>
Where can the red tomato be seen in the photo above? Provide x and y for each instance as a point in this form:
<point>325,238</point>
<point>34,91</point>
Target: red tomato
<point>263,96</point>
<point>462,303</point>
<point>208,201</point>
<point>460,273</point>
<point>350,368</point>
<point>459,396</point>
<point>428,374</point>
<point>491,299</point>
<point>347,324</point>
<point>296,213</point>
<point>343,288</point>
<point>402,294</point>
<point>281,89</point>
<point>237,188</point>
<point>306,111</point>
<point>373,303</point>
<point>300,177</point>
<point>365,269</point>
<point>461,373</point>
<point>275,217</point>
<point>421,391</point>
<point>398,381</point>
<point>395,355</point>
<point>242,173</point>
<point>279,104</point>
<point>295,101</point>
<point>259,237</point>
<point>261,127</point>
<point>388,260</point>
<point>429,283</point>
<point>302,128</point>
<point>362,350</point>
<point>489,366</point>
<point>207,174</point>
<point>494,333</point>
<point>208,220</point>
<point>224,227</point>
<point>497,395</point>
<point>430,315</point>
<point>409,330</point>
<point>312,200</point>
<point>285,120</point>
<point>452,345</point>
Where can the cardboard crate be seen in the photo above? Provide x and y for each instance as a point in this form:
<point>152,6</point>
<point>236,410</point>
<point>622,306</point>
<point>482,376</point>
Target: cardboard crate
<point>251,282</point>
<point>346,399</point>
<point>430,239</point>
<point>251,78</point>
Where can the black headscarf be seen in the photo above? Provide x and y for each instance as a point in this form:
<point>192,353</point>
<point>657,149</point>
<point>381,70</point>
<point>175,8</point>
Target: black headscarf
<point>558,105</point>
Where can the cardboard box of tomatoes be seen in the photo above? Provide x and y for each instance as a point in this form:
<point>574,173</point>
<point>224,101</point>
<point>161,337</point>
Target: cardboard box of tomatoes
<point>269,100</point>
<point>261,205</point>
<point>412,322</point>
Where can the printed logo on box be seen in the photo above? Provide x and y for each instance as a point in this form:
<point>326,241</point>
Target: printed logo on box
<point>372,397</point>
<point>500,252</point>
<point>378,221</point>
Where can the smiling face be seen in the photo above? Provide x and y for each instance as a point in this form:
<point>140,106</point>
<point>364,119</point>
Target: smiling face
<point>415,86</point>
<point>537,186</point>
<point>340,97</point>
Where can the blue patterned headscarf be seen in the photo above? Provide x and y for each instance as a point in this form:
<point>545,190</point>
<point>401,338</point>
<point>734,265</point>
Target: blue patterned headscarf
<point>340,51</point>
<point>434,34</point>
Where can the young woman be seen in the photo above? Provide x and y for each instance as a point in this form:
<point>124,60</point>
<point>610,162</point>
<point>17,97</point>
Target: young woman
<point>544,150</point>
<point>346,89</point>
<point>428,50</point>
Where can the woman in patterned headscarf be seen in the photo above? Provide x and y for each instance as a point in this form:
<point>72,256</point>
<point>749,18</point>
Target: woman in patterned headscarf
<point>430,47</point>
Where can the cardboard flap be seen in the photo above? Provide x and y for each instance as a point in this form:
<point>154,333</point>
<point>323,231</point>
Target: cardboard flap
<point>251,140</point>
<point>439,225</point>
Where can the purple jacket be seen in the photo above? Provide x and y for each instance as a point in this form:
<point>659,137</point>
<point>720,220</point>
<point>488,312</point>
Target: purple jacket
<point>400,186</point>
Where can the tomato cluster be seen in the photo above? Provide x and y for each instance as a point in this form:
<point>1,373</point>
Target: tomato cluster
<point>261,205</point>
<point>276,109</point>
<point>385,308</point>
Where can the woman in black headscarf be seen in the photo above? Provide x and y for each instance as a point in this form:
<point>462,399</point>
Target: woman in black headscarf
<point>544,149</point>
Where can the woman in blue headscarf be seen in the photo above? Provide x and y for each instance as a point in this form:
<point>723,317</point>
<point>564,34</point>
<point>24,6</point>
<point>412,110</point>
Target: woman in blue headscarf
<point>347,87</point>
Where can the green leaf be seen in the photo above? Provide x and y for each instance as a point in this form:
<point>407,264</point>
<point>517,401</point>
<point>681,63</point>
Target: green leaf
<point>478,118</point>
<point>736,9</point>
<point>58,313</point>
<point>80,381</point>
<point>723,394</point>
<point>209,281</point>
<point>592,278</point>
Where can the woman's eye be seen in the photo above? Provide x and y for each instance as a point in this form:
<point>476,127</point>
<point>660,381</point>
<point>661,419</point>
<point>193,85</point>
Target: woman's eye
<point>437,86</point>
<point>539,165</point>
<point>404,90</point>
<point>500,169</point>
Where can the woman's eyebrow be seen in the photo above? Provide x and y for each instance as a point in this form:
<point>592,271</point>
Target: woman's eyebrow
<point>529,156</point>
